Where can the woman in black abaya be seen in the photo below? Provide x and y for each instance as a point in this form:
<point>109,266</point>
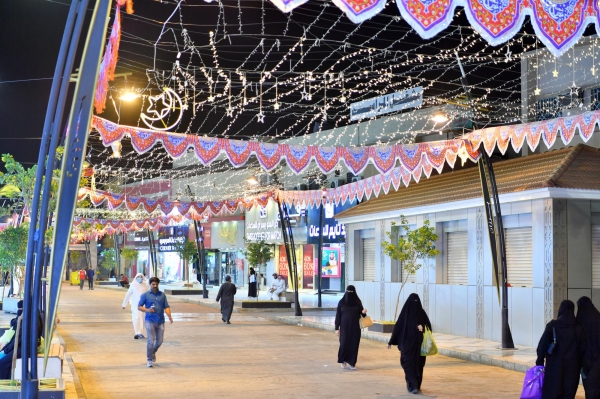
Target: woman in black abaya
<point>347,327</point>
<point>561,377</point>
<point>589,318</point>
<point>252,284</point>
<point>408,335</point>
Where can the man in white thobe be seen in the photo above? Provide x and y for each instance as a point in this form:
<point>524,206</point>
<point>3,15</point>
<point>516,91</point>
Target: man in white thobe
<point>277,287</point>
<point>137,287</point>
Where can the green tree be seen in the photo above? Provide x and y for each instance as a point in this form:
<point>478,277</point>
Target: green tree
<point>110,260</point>
<point>186,252</point>
<point>130,255</point>
<point>75,257</point>
<point>13,249</point>
<point>410,248</point>
<point>258,254</point>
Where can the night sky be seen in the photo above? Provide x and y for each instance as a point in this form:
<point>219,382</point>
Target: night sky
<point>30,34</point>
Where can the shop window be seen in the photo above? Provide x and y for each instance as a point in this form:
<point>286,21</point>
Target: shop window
<point>595,256</point>
<point>457,261</point>
<point>595,99</point>
<point>519,256</point>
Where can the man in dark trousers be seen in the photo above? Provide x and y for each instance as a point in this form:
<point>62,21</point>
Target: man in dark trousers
<point>90,277</point>
<point>226,293</point>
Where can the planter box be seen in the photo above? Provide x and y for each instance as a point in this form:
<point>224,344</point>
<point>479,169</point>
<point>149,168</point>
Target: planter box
<point>266,305</point>
<point>175,291</point>
<point>44,393</point>
<point>9,305</point>
<point>381,328</point>
<point>107,282</point>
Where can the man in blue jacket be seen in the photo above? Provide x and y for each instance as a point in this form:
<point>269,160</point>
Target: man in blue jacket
<point>154,304</point>
<point>90,277</point>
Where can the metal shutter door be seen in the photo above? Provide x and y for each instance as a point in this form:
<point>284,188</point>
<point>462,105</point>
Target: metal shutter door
<point>519,256</point>
<point>368,258</point>
<point>595,256</point>
<point>457,259</point>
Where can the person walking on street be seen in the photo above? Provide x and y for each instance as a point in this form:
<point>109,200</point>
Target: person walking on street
<point>252,284</point>
<point>90,278</point>
<point>589,318</point>
<point>408,335</point>
<point>347,327</point>
<point>81,278</point>
<point>137,288</point>
<point>561,375</point>
<point>154,304</point>
<point>225,295</point>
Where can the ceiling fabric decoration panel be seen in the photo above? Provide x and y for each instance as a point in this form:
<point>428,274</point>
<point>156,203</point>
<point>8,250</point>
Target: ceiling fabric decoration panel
<point>558,24</point>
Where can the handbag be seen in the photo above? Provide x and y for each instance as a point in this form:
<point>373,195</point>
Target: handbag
<point>552,345</point>
<point>534,381</point>
<point>428,347</point>
<point>365,322</point>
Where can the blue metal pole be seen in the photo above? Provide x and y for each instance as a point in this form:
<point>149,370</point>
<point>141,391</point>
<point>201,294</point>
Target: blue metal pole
<point>29,386</point>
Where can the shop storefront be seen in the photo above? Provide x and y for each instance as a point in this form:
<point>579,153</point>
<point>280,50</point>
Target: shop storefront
<point>334,245</point>
<point>137,240</point>
<point>224,245</point>
<point>170,266</point>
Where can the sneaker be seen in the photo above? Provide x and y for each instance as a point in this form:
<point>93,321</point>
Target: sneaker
<point>344,365</point>
<point>136,336</point>
<point>415,391</point>
<point>142,336</point>
<point>149,363</point>
<point>154,358</point>
<point>352,368</point>
<point>228,322</point>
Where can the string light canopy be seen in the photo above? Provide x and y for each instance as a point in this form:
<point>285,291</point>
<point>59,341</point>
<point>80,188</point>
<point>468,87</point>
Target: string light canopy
<point>252,74</point>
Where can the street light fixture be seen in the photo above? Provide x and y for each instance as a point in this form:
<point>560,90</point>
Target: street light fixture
<point>129,96</point>
<point>440,117</point>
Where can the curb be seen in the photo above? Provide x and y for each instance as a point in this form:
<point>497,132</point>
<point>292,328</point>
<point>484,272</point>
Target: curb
<point>449,352</point>
<point>76,380</point>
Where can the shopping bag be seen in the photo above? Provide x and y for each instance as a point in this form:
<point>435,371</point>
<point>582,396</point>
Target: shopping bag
<point>365,322</point>
<point>428,347</point>
<point>532,386</point>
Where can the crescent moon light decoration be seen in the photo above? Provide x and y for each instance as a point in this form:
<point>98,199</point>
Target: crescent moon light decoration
<point>168,101</point>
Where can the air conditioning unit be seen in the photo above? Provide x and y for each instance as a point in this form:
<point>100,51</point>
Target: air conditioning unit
<point>355,179</point>
<point>301,187</point>
<point>335,183</point>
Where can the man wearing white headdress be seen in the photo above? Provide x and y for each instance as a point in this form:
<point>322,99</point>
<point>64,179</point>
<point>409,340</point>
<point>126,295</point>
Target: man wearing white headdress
<point>137,287</point>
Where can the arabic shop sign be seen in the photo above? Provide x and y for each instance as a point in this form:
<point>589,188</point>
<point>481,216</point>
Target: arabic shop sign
<point>333,231</point>
<point>171,236</point>
<point>386,104</point>
<point>262,224</point>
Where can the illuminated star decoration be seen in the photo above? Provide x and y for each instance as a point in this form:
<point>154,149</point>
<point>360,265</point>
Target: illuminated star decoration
<point>537,91</point>
<point>593,70</point>
<point>260,117</point>
<point>170,102</point>
<point>229,111</point>
<point>276,106</point>
<point>508,57</point>
<point>555,73</point>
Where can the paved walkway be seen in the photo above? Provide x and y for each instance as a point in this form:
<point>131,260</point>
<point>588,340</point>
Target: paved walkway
<point>255,357</point>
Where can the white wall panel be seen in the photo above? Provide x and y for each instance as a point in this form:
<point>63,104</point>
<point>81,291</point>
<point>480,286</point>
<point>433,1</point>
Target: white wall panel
<point>538,324</point>
<point>459,302</point>
<point>472,311</point>
<point>520,313</point>
<point>443,310</point>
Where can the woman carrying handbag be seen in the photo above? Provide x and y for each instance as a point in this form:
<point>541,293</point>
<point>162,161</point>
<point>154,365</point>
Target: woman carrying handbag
<point>562,346</point>
<point>348,328</point>
<point>408,335</point>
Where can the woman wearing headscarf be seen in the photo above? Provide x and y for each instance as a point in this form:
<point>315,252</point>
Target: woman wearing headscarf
<point>561,376</point>
<point>137,287</point>
<point>589,318</point>
<point>408,335</point>
<point>252,284</point>
<point>347,327</point>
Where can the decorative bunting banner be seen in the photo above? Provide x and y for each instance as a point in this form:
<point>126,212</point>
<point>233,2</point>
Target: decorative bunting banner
<point>558,24</point>
<point>414,158</point>
<point>113,226</point>
<point>548,131</point>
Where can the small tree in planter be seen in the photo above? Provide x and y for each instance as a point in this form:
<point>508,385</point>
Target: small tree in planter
<point>75,257</point>
<point>415,245</point>
<point>186,252</point>
<point>110,260</point>
<point>130,255</point>
<point>258,254</point>
<point>13,249</point>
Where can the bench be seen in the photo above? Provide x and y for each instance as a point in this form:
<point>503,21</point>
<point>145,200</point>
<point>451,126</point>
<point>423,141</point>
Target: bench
<point>286,296</point>
<point>56,356</point>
